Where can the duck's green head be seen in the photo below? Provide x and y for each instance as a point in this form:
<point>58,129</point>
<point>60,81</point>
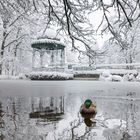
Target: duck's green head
<point>87,103</point>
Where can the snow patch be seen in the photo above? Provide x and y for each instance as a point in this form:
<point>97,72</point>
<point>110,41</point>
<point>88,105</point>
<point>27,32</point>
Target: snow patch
<point>106,73</point>
<point>117,78</point>
<point>113,123</point>
<point>10,77</point>
<point>105,76</point>
<point>5,77</point>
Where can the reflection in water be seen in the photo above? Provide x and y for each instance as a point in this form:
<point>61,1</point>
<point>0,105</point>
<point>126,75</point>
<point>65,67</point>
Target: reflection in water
<point>1,121</point>
<point>53,110</point>
<point>89,122</point>
<point>55,118</point>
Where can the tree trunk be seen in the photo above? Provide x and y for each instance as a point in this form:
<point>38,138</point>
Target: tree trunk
<point>2,51</point>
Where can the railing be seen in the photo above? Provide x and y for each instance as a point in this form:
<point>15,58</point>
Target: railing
<point>107,66</point>
<point>83,68</point>
<point>96,69</point>
<point>124,65</point>
<point>58,69</point>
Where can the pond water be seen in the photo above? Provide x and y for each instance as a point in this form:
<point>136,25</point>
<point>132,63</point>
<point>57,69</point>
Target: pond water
<point>55,115</point>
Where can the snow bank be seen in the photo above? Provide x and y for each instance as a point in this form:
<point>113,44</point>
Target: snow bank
<point>113,123</point>
<point>117,78</point>
<point>106,73</point>
<point>106,76</point>
<point>50,76</point>
<point>10,77</point>
<point>118,71</point>
<point>5,77</point>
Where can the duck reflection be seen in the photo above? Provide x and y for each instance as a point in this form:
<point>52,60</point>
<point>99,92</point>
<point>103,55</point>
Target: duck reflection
<point>88,112</point>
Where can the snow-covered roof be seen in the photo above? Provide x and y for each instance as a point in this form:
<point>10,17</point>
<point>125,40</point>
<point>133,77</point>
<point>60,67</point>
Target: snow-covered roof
<point>49,40</point>
<point>38,42</point>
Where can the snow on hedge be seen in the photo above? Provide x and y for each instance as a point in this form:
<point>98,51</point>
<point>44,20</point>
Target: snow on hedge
<point>50,76</point>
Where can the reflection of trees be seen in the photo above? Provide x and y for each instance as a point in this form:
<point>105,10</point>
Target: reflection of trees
<point>18,125</point>
<point>1,116</point>
<point>129,131</point>
<point>1,121</point>
<point>13,121</point>
<point>74,131</point>
<point>131,121</point>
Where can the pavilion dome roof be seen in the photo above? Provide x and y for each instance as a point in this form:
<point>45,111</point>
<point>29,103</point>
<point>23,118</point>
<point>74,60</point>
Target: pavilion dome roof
<point>50,40</point>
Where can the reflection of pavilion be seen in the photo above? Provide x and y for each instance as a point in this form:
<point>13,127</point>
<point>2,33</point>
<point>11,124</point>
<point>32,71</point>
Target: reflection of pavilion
<point>48,52</point>
<point>53,110</point>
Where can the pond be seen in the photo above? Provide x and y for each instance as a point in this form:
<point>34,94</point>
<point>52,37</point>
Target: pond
<point>43,110</point>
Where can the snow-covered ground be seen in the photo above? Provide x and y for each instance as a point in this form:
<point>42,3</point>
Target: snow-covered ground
<point>9,77</point>
<point>106,75</point>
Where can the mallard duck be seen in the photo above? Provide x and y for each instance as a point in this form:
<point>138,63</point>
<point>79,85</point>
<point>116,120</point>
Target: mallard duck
<point>88,109</point>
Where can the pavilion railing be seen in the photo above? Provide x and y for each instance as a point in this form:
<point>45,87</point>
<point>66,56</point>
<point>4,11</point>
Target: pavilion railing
<point>49,69</point>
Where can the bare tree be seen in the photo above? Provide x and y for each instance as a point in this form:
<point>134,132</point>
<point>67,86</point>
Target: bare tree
<point>126,39</point>
<point>71,17</point>
<point>10,16</point>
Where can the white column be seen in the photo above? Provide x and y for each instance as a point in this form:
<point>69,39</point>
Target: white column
<point>33,58</point>
<point>56,57</point>
<point>52,57</point>
<point>62,57</point>
<point>41,58</point>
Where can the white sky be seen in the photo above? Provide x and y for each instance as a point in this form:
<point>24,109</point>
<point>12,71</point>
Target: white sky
<point>96,19</point>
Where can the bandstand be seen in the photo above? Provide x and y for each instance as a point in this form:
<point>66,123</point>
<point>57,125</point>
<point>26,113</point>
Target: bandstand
<point>48,60</point>
<point>48,53</point>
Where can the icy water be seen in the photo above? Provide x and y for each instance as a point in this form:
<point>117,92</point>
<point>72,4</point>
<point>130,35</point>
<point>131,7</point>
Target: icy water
<point>49,110</point>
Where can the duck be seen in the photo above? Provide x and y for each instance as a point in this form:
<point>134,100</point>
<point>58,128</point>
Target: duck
<point>88,109</point>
